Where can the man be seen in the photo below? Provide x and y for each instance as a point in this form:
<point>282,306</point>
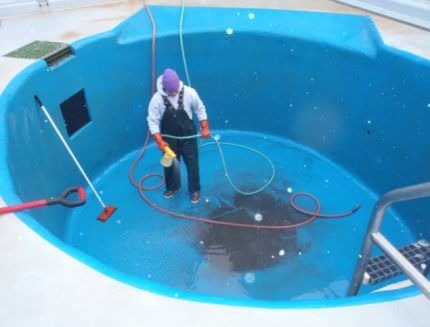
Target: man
<point>171,112</point>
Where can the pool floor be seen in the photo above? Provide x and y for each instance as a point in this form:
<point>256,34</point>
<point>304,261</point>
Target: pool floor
<point>315,261</point>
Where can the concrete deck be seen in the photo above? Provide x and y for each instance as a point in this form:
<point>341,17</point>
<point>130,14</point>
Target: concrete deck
<point>42,286</point>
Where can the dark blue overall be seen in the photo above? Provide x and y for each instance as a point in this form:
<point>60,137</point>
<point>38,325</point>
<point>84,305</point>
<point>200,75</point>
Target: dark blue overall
<point>177,122</point>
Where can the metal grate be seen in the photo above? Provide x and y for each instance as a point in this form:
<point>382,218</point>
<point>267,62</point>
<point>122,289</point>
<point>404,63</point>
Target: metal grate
<point>51,52</point>
<point>58,55</point>
<point>381,268</point>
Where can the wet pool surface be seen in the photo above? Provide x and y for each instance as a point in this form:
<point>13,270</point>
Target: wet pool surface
<point>310,262</point>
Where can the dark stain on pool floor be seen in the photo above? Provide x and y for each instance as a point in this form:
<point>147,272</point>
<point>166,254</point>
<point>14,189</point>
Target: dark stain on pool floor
<point>250,248</point>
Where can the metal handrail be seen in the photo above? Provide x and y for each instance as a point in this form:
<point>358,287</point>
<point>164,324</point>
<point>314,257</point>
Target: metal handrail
<point>373,235</point>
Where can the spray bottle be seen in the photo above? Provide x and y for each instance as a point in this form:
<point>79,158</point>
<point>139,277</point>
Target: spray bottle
<point>168,157</point>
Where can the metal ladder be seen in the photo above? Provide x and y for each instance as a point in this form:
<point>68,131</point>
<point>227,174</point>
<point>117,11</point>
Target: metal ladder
<point>374,236</point>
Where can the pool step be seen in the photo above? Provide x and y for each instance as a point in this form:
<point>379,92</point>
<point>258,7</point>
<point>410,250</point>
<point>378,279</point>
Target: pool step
<point>381,268</point>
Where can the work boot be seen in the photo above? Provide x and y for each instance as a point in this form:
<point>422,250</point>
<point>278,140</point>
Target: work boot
<point>169,193</point>
<point>195,197</point>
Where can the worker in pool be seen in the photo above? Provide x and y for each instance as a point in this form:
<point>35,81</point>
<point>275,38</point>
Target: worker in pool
<point>171,112</point>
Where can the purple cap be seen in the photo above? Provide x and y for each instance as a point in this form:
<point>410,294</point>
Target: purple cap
<point>170,81</point>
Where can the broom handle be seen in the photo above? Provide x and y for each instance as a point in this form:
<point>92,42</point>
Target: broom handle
<point>48,116</point>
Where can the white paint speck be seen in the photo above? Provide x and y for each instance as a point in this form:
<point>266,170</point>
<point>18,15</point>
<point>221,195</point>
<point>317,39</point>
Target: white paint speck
<point>282,252</point>
<point>272,256</point>
<point>207,200</point>
<point>201,242</point>
<point>251,15</point>
<point>369,122</point>
<point>118,221</point>
<point>299,253</point>
<point>258,217</point>
<point>289,190</point>
<point>249,278</point>
<point>100,192</point>
<point>217,137</point>
<point>327,181</point>
<point>229,31</point>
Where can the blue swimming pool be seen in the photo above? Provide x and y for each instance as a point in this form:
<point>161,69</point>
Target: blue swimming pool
<point>341,115</point>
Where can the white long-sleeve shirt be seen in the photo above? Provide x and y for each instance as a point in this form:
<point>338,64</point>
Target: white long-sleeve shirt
<point>192,103</point>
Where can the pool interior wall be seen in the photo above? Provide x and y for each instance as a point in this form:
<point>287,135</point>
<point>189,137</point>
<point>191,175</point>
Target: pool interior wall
<point>322,80</point>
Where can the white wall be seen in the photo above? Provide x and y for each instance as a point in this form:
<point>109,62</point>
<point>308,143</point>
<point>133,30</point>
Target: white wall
<point>19,7</point>
<point>414,12</point>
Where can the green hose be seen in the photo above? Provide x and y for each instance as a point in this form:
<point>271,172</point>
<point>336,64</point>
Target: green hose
<point>224,164</point>
<point>218,144</point>
<point>181,21</point>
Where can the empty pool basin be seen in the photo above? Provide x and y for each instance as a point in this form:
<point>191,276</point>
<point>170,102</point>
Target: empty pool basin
<point>340,114</point>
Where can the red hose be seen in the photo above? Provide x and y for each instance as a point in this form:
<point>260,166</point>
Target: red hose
<point>154,31</point>
<point>313,214</point>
